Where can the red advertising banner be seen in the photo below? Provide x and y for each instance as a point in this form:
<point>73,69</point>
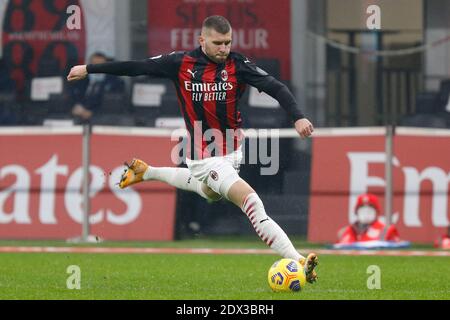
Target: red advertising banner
<point>37,42</point>
<point>41,187</point>
<point>345,166</point>
<point>261,28</point>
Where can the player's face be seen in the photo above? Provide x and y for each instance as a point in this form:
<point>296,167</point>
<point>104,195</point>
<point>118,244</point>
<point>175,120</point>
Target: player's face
<point>215,45</point>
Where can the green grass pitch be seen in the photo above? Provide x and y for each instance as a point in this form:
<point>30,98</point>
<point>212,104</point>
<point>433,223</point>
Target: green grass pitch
<point>208,276</point>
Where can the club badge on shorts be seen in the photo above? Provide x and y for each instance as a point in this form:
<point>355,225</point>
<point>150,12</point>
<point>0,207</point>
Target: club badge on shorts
<point>214,175</point>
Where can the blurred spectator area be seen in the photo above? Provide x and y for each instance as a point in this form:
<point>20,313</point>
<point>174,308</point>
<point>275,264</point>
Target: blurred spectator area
<point>154,101</point>
<point>432,109</point>
<point>150,102</point>
<point>9,109</point>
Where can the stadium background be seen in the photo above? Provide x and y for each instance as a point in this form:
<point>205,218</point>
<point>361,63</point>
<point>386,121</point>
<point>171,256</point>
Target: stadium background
<point>343,74</point>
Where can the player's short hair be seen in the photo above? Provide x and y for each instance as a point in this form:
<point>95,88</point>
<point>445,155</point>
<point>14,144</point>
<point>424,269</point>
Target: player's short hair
<point>218,23</point>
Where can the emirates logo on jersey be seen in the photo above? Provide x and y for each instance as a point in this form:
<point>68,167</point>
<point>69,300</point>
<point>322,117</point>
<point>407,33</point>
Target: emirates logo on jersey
<point>207,86</point>
<point>224,75</point>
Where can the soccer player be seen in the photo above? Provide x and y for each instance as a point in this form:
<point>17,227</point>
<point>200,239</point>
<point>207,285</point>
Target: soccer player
<point>209,82</point>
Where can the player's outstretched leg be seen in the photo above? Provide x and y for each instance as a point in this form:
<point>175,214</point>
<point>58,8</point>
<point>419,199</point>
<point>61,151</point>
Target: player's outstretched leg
<point>180,178</point>
<point>268,230</point>
<point>271,233</point>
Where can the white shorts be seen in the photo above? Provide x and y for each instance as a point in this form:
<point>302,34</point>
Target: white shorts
<point>219,173</point>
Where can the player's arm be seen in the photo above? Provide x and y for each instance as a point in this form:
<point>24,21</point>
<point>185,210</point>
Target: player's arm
<point>160,66</point>
<point>258,78</point>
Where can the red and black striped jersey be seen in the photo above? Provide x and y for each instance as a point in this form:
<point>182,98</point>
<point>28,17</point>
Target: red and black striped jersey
<point>208,94</point>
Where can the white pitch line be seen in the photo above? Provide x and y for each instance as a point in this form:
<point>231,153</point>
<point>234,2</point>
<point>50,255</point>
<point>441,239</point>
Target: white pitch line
<point>31,249</point>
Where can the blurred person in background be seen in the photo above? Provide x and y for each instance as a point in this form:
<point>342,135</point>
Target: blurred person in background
<point>87,94</point>
<point>6,83</point>
<point>368,226</point>
<point>8,109</point>
<point>444,241</point>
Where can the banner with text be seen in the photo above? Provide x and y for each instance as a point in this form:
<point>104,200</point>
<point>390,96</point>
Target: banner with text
<point>47,38</point>
<point>347,165</point>
<point>261,30</point>
<point>41,188</point>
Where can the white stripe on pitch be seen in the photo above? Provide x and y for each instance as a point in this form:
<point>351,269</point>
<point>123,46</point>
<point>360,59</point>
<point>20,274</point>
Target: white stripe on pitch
<point>32,249</point>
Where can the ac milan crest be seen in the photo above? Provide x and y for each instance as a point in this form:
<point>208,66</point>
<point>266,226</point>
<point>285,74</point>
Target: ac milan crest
<point>224,75</point>
<point>214,175</point>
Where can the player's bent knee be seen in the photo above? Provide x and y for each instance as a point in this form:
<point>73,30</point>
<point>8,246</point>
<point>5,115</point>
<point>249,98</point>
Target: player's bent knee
<point>227,183</point>
<point>238,191</point>
<point>220,181</point>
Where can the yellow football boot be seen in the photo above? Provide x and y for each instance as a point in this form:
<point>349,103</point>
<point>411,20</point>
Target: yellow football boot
<point>134,173</point>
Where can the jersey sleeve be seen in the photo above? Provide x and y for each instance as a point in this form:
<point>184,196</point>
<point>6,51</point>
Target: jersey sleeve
<point>162,66</point>
<point>248,72</point>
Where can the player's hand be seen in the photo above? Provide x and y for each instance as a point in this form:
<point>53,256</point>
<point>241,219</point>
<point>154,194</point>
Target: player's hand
<point>77,73</point>
<point>304,128</point>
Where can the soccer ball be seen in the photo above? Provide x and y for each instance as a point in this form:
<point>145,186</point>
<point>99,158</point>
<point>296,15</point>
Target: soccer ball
<point>286,275</point>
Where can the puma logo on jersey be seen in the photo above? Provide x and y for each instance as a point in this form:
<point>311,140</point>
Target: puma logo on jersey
<point>246,60</point>
<point>192,73</point>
